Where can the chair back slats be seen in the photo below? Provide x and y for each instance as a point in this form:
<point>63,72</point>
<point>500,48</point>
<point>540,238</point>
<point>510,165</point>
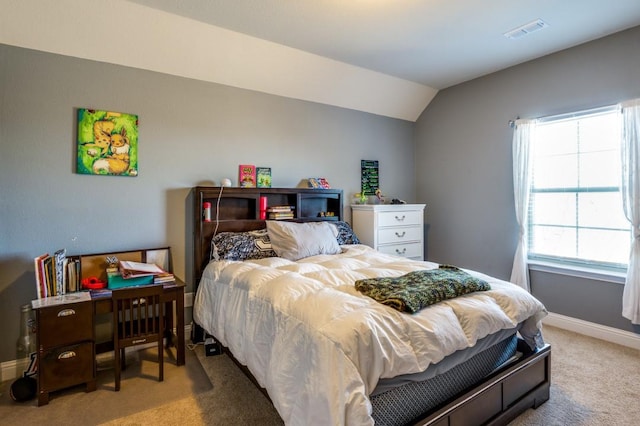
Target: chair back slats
<point>138,317</point>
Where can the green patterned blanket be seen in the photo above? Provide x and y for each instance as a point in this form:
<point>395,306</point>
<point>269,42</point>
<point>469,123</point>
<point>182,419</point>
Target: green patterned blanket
<point>418,289</point>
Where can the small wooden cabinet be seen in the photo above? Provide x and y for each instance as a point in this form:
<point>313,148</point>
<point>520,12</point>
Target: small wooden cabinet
<point>391,228</point>
<point>66,348</point>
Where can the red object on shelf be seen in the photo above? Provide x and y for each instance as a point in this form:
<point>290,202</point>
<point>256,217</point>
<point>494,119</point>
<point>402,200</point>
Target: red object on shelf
<point>207,211</point>
<point>263,207</point>
<point>93,283</point>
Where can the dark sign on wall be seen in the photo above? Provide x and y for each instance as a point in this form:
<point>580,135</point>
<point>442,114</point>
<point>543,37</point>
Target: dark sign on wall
<point>369,177</point>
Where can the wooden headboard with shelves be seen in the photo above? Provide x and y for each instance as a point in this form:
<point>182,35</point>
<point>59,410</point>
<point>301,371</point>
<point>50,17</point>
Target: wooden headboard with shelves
<point>238,209</point>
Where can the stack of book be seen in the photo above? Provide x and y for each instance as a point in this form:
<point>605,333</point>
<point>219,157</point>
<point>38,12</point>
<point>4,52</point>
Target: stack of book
<point>280,212</point>
<point>138,270</point>
<point>165,277</point>
<point>56,275</point>
<point>130,269</point>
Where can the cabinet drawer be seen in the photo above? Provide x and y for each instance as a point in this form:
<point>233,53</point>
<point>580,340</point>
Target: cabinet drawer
<point>479,410</point>
<point>63,324</point>
<point>524,381</point>
<point>404,250</point>
<point>66,366</point>
<point>409,217</point>
<point>399,234</point>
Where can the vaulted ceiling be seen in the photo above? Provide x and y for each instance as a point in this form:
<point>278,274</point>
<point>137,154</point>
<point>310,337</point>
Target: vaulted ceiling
<point>387,57</point>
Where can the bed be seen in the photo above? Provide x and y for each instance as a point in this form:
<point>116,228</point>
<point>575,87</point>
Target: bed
<point>287,310</point>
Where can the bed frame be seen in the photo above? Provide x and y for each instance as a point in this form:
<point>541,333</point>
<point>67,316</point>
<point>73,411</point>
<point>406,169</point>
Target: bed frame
<point>497,400</point>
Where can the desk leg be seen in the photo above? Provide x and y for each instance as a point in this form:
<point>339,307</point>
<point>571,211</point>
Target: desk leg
<point>168,331</point>
<point>180,327</point>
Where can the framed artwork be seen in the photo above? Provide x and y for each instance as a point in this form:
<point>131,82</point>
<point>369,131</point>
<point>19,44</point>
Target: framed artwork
<point>369,177</point>
<point>107,143</point>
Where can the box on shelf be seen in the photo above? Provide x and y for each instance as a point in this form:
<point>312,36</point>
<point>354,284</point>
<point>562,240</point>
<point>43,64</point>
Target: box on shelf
<point>115,281</point>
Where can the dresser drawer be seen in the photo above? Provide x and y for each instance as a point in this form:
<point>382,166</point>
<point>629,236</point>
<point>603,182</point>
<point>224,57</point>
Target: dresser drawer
<point>65,366</point>
<point>60,325</point>
<point>392,229</point>
<point>399,234</point>
<point>409,217</point>
<point>413,250</point>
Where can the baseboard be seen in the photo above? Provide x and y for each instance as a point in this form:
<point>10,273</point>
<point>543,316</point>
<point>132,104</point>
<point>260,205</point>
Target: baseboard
<point>10,370</point>
<point>603,332</point>
<point>13,368</point>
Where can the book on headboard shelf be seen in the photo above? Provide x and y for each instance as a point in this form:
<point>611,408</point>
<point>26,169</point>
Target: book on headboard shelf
<point>247,176</point>
<point>263,177</point>
<point>281,215</point>
<point>280,209</point>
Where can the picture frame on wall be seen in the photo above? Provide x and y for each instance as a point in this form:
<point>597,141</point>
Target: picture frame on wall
<point>369,177</point>
<point>107,143</point>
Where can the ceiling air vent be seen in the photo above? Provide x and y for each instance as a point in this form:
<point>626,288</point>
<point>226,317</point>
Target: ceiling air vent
<point>525,29</point>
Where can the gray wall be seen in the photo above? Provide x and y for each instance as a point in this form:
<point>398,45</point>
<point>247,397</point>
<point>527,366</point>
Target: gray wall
<point>191,132</point>
<point>464,165</point>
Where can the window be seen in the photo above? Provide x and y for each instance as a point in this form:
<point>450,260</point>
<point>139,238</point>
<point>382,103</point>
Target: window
<point>575,210</point>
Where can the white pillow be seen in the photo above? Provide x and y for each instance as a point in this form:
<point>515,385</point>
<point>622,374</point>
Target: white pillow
<point>294,241</point>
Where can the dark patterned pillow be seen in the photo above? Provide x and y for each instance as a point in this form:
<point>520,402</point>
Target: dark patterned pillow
<point>345,234</point>
<point>242,245</point>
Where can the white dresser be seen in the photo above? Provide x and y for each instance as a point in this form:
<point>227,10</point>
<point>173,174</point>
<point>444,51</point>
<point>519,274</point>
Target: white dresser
<point>391,228</point>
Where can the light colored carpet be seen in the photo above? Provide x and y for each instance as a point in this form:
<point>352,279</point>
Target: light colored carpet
<point>189,395</point>
<point>593,383</point>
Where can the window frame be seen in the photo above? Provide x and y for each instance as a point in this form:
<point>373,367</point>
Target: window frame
<point>607,271</point>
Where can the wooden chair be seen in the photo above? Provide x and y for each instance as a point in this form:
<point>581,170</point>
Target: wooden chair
<point>138,318</point>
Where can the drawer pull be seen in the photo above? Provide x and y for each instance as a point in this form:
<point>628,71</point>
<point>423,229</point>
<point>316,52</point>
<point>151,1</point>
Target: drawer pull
<point>399,235</point>
<point>400,219</point>
<point>401,252</point>
<point>67,355</point>
<point>66,312</point>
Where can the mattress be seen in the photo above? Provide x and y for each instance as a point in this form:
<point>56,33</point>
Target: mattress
<point>447,363</point>
<point>320,348</point>
<point>402,404</point>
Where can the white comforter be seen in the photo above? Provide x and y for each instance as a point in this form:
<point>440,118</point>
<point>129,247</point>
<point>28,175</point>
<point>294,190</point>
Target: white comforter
<point>319,347</point>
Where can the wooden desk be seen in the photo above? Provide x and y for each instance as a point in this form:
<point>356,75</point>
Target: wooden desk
<point>65,339</point>
<point>173,292</point>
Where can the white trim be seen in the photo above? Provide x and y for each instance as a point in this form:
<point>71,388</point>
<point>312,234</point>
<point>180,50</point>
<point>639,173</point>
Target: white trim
<point>575,271</point>
<point>9,369</point>
<point>603,332</point>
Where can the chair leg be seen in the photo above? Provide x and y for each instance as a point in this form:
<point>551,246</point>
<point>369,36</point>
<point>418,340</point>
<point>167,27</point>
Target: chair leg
<point>116,354</point>
<point>160,360</point>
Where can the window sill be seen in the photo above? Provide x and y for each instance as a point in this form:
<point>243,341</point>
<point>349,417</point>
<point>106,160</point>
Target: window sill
<point>575,271</point>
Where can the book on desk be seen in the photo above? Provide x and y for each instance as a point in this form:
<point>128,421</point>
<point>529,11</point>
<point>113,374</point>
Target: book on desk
<point>131,274</point>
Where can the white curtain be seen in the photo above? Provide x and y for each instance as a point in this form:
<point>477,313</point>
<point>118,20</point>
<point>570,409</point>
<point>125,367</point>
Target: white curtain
<point>522,140</point>
<point>631,202</point>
